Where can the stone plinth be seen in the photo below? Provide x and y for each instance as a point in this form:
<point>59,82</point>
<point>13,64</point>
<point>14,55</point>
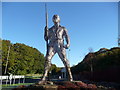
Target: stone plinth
<point>59,85</point>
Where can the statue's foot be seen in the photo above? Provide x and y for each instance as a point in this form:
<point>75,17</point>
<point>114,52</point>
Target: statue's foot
<point>71,79</point>
<point>42,82</point>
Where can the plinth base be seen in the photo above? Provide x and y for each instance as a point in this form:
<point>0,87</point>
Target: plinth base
<point>61,85</point>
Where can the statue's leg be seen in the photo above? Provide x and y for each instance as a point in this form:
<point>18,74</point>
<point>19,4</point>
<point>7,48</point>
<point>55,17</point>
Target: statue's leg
<point>47,65</point>
<point>62,55</point>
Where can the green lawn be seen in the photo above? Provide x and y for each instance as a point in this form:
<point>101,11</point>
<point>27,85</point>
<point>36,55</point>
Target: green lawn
<point>31,76</point>
<point>9,87</point>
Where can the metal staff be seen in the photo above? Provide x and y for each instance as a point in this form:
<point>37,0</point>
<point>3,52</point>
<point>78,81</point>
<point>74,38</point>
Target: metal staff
<point>46,28</point>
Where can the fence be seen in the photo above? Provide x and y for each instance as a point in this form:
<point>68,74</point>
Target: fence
<point>11,79</point>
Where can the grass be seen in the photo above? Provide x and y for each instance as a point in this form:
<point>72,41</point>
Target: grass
<point>33,76</point>
<point>36,75</point>
<point>4,85</point>
<point>10,87</point>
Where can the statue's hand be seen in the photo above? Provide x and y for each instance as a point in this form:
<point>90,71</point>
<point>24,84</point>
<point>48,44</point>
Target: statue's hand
<point>46,28</point>
<point>66,46</point>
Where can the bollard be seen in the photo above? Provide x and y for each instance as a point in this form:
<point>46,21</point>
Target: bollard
<point>0,80</point>
<point>10,78</point>
<point>23,79</point>
<point>14,79</point>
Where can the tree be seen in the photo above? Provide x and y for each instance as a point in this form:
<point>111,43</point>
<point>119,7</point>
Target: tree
<point>23,59</point>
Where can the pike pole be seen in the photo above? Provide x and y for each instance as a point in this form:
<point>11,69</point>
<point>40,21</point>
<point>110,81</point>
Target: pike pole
<point>46,30</point>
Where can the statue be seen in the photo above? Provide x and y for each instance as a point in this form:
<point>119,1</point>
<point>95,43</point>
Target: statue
<point>55,35</point>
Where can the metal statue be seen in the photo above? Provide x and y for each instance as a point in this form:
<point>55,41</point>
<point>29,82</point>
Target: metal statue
<point>54,38</point>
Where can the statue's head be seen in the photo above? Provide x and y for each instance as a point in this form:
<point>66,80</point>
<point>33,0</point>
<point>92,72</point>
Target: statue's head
<point>56,19</point>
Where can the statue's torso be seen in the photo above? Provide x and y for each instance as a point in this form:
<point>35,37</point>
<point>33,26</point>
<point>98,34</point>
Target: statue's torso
<point>56,36</point>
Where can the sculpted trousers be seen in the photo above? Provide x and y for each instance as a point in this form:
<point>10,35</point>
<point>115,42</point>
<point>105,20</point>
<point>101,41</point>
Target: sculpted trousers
<point>62,54</point>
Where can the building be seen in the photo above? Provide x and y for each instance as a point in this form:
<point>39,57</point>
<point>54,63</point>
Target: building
<point>63,71</point>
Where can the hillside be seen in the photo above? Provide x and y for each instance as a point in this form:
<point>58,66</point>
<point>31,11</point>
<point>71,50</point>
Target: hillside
<point>104,63</point>
<point>22,59</point>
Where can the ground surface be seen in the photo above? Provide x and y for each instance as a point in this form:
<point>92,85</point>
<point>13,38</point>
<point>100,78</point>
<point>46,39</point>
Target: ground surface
<point>63,85</point>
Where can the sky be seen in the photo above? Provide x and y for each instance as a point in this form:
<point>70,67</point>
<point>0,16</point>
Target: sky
<point>89,24</point>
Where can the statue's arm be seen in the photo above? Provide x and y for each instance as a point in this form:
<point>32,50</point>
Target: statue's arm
<point>66,38</point>
<point>46,30</point>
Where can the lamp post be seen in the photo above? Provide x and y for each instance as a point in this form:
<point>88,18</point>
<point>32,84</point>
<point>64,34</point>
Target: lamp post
<point>7,60</point>
<point>119,41</point>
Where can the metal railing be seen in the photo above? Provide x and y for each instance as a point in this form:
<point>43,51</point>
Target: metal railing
<point>11,79</point>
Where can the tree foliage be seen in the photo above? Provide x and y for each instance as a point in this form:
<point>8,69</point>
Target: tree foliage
<point>22,59</point>
<point>55,70</point>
